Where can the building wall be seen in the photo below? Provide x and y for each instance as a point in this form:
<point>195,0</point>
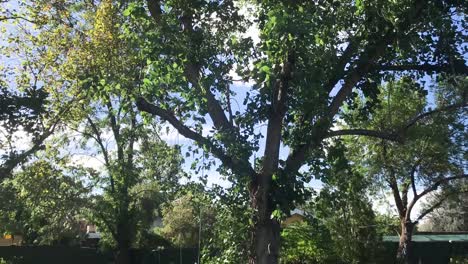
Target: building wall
<point>11,240</point>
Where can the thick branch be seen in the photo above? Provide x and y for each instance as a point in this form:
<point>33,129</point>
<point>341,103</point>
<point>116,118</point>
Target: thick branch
<point>362,68</point>
<point>14,17</point>
<point>396,196</point>
<point>12,162</point>
<point>216,112</point>
<point>436,184</point>
<point>430,209</point>
<point>97,137</point>
<point>339,69</point>
<point>235,165</point>
<point>393,136</point>
<point>275,122</point>
<point>154,7</point>
<point>413,181</point>
<point>115,126</point>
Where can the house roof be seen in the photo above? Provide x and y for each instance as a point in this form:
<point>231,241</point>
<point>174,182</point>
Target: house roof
<point>298,212</point>
<point>433,237</point>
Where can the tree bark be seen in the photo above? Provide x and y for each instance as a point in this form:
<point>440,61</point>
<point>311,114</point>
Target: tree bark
<point>405,247</point>
<point>123,255</point>
<point>123,232</point>
<point>265,242</point>
<point>123,245</point>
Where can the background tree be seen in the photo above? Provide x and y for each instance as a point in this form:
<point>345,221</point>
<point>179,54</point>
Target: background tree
<point>430,154</point>
<point>452,214</point>
<point>344,207</point>
<point>44,203</point>
<point>228,240</point>
<point>307,242</point>
<point>87,67</point>
<point>184,216</point>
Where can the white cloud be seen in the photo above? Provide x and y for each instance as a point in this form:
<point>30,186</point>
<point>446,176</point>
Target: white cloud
<point>88,161</point>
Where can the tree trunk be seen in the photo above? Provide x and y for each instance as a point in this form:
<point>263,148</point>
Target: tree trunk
<point>123,254</point>
<point>405,247</point>
<point>265,242</point>
<point>123,240</point>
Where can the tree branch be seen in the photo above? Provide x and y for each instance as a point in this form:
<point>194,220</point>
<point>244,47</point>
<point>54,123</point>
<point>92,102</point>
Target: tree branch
<point>436,185</point>
<point>364,132</point>
<point>14,17</point>
<point>103,149</point>
<point>12,162</point>
<point>430,209</point>
<point>459,68</point>
<point>413,181</point>
<point>396,195</point>
<point>275,121</point>
<point>415,119</point>
<point>432,188</point>
<point>154,7</point>
<point>235,165</point>
<point>435,206</point>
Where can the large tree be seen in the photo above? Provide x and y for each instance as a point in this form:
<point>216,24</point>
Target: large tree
<point>310,58</point>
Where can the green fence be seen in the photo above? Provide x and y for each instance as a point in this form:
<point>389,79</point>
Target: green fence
<point>428,252</point>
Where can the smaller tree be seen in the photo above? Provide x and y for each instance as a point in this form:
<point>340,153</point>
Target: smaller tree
<point>185,218</point>
<point>44,203</point>
<point>229,239</point>
<point>344,207</point>
<point>307,242</point>
<point>424,151</point>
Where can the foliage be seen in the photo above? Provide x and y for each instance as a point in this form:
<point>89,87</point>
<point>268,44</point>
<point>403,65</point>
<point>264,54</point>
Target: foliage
<point>85,64</point>
<point>387,225</point>
<point>183,218</point>
<point>307,242</point>
<point>345,208</point>
<point>176,60</point>
<point>451,215</point>
<point>229,240</point>
<point>45,203</point>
